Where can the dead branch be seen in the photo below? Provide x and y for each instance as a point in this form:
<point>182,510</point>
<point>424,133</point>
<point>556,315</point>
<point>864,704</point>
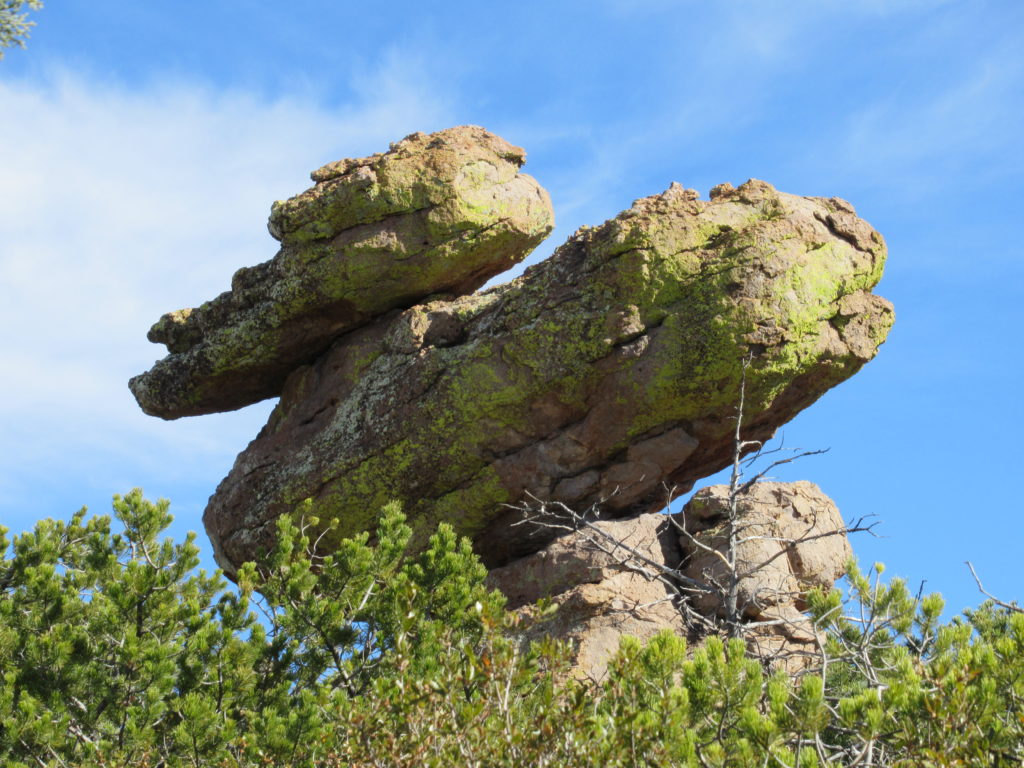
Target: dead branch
<point>1012,607</point>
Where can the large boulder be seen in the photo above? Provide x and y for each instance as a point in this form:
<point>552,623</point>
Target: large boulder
<point>790,539</point>
<point>438,213</point>
<point>607,375</point>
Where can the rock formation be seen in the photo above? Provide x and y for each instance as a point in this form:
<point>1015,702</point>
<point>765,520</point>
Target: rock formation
<point>435,214</point>
<point>791,540</point>
<point>605,377</point>
<point>602,373</point>
<point>602,590</point>
<point>787,544</point>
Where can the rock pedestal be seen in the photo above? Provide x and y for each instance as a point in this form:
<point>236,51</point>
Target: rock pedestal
<point>791,539</point>
<point>641,575</point>
<point>602,589</point>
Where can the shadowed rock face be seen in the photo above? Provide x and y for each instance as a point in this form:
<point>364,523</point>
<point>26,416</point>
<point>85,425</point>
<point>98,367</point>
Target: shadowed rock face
<point>602,592</point>
<point>599,376</point>
<point>437,213</point>
<point>632,576</point>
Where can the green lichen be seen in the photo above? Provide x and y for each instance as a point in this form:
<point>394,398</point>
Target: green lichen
<point>469,508</point>
<point>457,214</point>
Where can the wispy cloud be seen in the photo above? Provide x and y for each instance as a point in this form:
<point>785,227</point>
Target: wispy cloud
<point>117,205</point>
<point>975,123</point>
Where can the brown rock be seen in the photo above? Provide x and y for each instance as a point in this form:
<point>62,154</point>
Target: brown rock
<point>615,581</point>
<point>792,539</point>
<point>602,590</point>
<point>599,376</point>
<point>436,213</point>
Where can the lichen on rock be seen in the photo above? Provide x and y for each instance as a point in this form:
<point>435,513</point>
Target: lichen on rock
<point>438,213</point>
<point>603,375</point>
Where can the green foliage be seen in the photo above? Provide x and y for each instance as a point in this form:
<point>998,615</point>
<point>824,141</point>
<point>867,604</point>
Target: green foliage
<point>915,692</point>
<point>116,651</point>
<point>14,23</point>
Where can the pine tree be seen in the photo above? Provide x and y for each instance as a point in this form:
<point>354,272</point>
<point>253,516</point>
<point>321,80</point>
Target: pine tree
<point>14,23</point>
<point>116,651</point>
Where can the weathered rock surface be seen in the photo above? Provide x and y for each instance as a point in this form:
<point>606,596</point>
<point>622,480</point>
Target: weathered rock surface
<point>614,582</point>
<point>791,539</point>
<point>602,591</point>
<point>788,543</point>
<point>600,375</point>
<point>437,213</point>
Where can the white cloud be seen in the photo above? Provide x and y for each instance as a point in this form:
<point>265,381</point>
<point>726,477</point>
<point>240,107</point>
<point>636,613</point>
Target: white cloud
<point>119,204</point>
<point>919,141</point>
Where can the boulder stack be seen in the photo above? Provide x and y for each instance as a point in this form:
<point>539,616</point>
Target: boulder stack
<point>439,213</point>
<point>605,378</point>
<point>603,374</point>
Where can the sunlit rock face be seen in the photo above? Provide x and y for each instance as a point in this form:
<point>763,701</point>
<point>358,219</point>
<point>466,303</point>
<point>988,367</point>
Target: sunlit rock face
<point>608,374</point>
<point>640,575</point>
<point>437,213</point>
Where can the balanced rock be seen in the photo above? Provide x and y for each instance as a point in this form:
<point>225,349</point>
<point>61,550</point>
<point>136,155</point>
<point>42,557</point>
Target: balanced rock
<point>607,375</point>
<point>438,213</point>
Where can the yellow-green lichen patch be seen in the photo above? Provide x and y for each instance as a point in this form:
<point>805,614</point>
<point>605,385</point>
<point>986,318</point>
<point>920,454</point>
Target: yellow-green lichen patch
<point>469,508</point>
<point>438,213</point>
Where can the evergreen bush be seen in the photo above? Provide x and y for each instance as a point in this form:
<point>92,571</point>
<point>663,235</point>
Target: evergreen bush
<point>115,651</point>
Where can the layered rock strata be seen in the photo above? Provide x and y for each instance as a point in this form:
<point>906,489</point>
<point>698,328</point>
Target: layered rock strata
<point>437,213</point>
<point>603,376</point>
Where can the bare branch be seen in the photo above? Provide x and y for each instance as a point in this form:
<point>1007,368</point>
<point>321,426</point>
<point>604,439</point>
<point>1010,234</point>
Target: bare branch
<point>1012,607</point>
<point>778,463</point>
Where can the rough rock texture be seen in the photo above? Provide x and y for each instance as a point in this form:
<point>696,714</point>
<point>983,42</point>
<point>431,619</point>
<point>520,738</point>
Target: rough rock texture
<point>787,545</point>
<point>437,213</point>
<point>600,374</point>
<point>602,591</point>
<point>792,539</point>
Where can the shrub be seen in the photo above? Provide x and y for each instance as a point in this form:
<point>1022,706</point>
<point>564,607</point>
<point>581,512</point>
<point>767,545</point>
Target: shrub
<point>116,651</point>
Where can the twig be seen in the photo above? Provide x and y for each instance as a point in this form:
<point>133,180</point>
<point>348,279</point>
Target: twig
<point>1012,607</point>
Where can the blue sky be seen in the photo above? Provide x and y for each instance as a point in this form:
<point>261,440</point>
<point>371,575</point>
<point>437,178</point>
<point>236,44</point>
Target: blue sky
<point>142,145</point>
